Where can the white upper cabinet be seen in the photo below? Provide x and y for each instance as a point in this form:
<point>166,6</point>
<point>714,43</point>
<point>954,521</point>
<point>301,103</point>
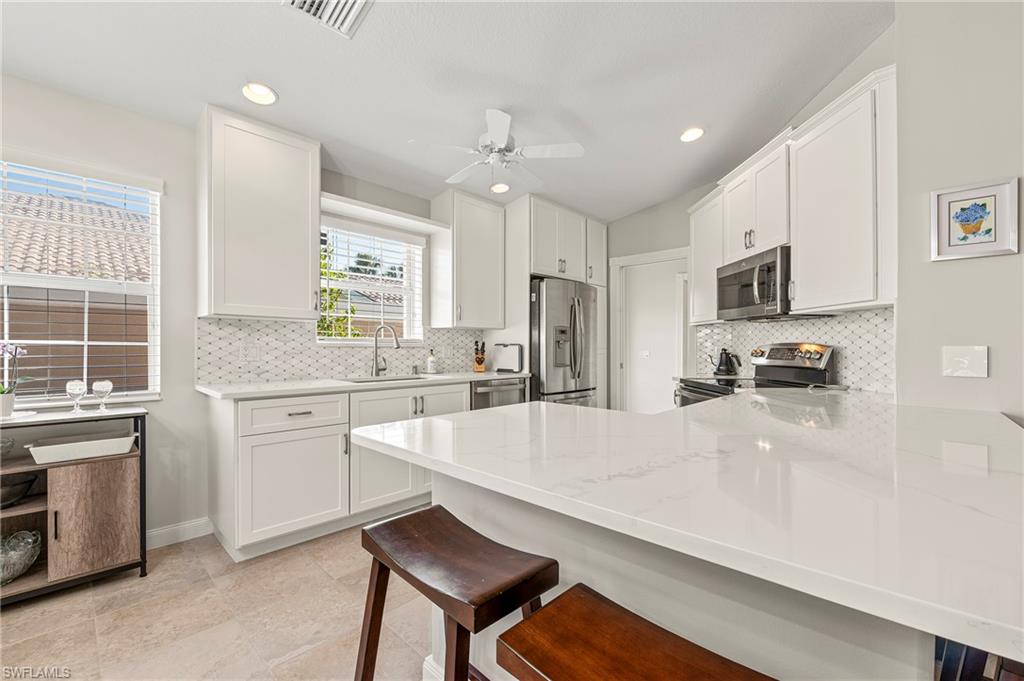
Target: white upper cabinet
<point>843,180</point>
<point>558,241</point>
<point>706,224</point>
<point>467,268</point>
<point>756,203</point>
<point>259,220</point>
<point>597,253</point>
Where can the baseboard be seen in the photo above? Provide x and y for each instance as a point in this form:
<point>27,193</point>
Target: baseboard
<point>431,670</point>
<point>179,532</point>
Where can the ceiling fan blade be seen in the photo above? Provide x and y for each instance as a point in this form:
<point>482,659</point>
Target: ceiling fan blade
<point>498,124</point>
<point>464,173</point>
<point>447,147</point>
<point>569,150</point>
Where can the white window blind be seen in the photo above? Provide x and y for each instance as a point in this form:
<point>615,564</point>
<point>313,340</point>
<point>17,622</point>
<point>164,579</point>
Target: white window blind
<point>369,276</point>
<point>79,262</point>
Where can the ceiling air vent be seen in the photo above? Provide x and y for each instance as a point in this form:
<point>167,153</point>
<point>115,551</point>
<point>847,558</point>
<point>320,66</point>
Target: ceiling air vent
<point>344,16</point>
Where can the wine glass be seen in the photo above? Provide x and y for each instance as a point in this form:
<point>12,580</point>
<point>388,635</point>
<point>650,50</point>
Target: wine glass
<point>76,391</point>
<point>102,390</point>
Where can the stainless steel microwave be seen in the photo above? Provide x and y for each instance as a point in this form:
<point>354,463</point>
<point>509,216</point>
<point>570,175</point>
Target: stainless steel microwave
<point>756,287</point>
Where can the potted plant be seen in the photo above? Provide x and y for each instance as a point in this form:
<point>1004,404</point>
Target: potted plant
<point>8,387</point>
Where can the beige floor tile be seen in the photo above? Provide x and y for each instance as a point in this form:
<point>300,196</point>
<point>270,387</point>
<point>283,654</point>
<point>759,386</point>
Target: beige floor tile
<point>336,659</point>
<point>411,621</point>
<point>73,647</point>
<point>339,553</point>
<point>220,652</point>
<point>170,570</point>
<point>256,586</point>
<point>212,556</point>
<point>45,613</point>
<point>292,625</point>
<point>127,632</point>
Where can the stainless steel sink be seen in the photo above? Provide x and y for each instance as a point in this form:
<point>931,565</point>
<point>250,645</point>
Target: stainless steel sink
<point>384,379</point>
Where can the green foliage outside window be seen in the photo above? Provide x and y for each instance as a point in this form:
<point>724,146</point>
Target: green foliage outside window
<point>333,325</point>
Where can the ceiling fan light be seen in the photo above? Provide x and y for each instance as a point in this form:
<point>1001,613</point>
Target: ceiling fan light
<point>692,134</point>
<point>499,188</point>
<point>259,93</point>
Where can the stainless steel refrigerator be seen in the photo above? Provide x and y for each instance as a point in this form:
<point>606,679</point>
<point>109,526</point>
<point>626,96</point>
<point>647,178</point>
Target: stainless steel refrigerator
<point>563,347</point>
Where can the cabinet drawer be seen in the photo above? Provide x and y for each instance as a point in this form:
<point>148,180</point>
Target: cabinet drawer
<point>290,413</point>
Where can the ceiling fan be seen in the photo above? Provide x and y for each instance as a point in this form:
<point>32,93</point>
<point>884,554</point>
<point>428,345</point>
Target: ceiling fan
<point>497,148</point>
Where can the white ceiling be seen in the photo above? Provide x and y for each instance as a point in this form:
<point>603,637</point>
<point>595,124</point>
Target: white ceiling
<point>623,79</point>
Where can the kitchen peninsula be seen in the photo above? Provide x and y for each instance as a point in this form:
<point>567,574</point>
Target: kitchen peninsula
<point>806,535</point>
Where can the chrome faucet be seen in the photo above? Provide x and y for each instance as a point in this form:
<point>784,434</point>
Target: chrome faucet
<point>380,365</point>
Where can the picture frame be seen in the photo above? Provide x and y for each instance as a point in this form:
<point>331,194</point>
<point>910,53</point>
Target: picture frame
<point>975,221</point>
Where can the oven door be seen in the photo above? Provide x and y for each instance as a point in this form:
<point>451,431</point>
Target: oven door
<point>754,287</point>
<point>685,395</point>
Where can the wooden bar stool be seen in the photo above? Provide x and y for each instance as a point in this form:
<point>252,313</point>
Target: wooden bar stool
<point>582,636</point>
<point>474,580</point>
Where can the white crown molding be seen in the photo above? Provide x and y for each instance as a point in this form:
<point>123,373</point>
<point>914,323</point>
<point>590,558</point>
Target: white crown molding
<point>773,144</point>
<point>866,83</point>
<point>715,193</point>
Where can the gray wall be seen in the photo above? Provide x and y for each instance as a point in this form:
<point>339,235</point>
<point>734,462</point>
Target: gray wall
<point>945,141</point>
<point>657,228</point>
<point>378,195</point>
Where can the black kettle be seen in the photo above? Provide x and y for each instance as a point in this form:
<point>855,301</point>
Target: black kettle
<point>728,363</point>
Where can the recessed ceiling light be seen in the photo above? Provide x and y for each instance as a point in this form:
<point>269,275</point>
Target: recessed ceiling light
<point>692,134</point>
<point>258,93</point>
<point>499,188</point>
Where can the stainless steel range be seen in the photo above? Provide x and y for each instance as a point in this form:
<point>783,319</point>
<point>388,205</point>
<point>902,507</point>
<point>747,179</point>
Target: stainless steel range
<point>776,365</point>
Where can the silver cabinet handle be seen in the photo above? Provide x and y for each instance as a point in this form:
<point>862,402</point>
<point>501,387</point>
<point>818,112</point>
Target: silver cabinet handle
<point>301,413</point>
<point>316,300</point>
<point>346,444</point>
<point>458,312</point>
<point>590,271</point>
<point>752,241</point>
<point>421,406</point>
<point>413,400</point>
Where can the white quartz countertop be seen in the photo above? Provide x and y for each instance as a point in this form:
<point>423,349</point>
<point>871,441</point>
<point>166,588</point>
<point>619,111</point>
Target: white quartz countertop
<point>241,391</point>
<point>912,514</point>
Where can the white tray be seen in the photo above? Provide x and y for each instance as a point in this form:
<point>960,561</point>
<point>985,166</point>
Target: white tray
<point>72,448</point>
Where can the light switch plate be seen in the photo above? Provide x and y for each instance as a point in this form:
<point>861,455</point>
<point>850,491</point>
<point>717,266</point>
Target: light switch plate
<point>969,361</point>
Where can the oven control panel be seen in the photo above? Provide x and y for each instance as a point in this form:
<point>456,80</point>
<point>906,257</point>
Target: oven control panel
<point>809,355</point>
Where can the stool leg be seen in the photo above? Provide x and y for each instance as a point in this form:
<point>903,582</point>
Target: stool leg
<point>456,650</point>
<point>531,607</point>
<point>373,617</point>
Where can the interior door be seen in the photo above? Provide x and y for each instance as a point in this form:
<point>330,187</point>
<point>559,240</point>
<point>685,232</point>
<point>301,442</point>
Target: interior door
<point>93,516</point>
<point>479,263</point>
<point>291,480</point>
<point>379,479</point>
<point>544,257</point>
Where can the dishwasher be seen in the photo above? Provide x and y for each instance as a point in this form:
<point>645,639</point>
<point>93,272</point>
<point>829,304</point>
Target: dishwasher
<point>498,392</point>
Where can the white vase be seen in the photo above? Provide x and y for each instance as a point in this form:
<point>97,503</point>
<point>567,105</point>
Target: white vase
<point>6,405</point>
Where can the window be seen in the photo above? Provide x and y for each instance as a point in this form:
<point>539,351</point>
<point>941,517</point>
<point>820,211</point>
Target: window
<point>369,276</point>
<point>79,272</point>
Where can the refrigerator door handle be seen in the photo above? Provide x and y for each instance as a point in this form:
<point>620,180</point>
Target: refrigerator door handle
<point>572,338</point>
<point>581,328</point>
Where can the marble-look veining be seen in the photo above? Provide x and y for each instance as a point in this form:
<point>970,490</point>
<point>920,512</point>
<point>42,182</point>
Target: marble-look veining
<point>323,386</point>
<point>912,514</point>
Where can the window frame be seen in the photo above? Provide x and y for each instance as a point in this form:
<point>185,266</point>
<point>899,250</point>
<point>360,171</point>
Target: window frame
<point>152,290</point>
<point>411,239</point>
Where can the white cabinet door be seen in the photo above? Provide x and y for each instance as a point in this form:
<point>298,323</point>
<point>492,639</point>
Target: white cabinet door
<point>572,244</point>
<point>379,479</point>
<point>705,258</point>
<point>291,480</point>
<point>771,201</point>
<point>544,257</point>
<point>449,399</point>
<point>597,253</point>
<point>738,200</point>
<point>833,201</point>
<point>478,228</point>
<point>261,223</point>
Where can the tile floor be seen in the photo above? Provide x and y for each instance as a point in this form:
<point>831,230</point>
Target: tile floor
<point>292,614</point>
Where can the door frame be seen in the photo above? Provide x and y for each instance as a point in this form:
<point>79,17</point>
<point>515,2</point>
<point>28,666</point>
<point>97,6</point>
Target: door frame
<point>616,332</point>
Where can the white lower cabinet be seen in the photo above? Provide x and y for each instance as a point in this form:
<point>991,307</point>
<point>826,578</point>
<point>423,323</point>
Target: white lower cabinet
<point>291,480</point>
<point>379,479</point>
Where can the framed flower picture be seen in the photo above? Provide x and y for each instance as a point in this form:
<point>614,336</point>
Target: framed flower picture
<point>975,221</point>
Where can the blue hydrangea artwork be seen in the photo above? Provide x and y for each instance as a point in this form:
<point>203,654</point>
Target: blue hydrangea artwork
<point>973,217</point>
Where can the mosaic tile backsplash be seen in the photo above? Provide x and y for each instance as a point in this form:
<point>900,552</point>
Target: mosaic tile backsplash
<point>866,342</point>
<point>258,351</point>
